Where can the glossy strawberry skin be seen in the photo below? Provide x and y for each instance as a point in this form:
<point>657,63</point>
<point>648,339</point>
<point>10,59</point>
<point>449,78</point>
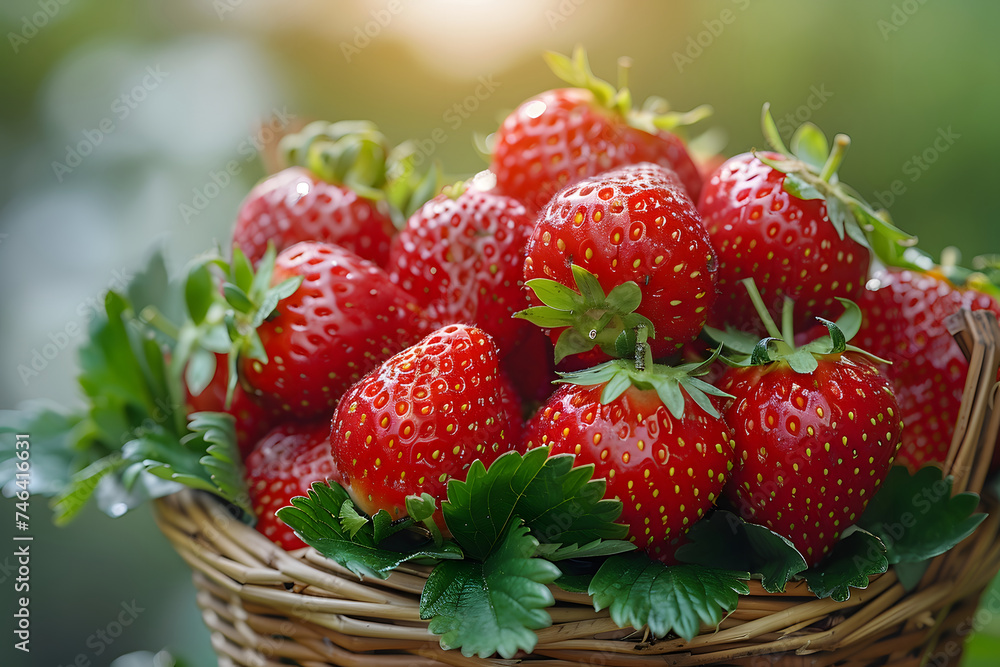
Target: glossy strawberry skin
<point>666,471</point>
<point>811,449</point>
<point>561,136</point>
<point>252,420</point>
<point>282,465</point>
<point>294,205</point>
<point>788,245</point>
<point>421,418</point>
<point>633,223</point>
<point>904,323</point>
<point>462,259</point>
<point>344,319</point>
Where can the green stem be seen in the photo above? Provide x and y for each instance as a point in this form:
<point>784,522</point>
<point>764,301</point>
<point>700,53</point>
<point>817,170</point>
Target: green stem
<point>624,65</point>
<point>787,326</point>
<point>152,316</point>
<point>840,145</point>
<point>758,304</point>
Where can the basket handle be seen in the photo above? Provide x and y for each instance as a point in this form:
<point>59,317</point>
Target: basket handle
<point>975,437</point>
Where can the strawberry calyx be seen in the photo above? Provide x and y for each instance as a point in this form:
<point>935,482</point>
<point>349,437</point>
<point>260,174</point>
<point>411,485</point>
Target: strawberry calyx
<point>351,153</point>
<point>984,276</point>
<point>744,349</point>
<point>810,170</point>
<point>591,317</point>
<point>668,382</point>
<point>654,114</point>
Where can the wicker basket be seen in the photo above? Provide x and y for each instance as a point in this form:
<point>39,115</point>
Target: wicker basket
<point>268,607</point>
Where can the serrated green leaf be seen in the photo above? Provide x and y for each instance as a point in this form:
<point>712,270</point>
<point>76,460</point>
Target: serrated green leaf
<point>916,516</point>
<point>594,549</point>
<point>556,501</point>
<point>493,606</point>
<point>320,519</point>
<point>642,592</point>
<point>852,560</point>
<point>350,519</point>
<point>725,541</point>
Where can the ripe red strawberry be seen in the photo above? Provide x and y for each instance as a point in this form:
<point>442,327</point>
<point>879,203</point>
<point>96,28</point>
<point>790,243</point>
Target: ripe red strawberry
<point>785,220</point>
<point>421,418</point>
<point>816,429</point>
<point>904,323</point>
<point>561,136</point>
<point>632,224</point>
<point>252,421</point>
<point>344,319</point>
<point>664,452</point>
<point>282,465</point>
<point>461,257</point>
<point>330,193</point>
<point>294,205</point>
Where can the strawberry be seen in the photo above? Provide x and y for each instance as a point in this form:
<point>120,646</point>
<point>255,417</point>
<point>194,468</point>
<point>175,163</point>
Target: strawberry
<point>632,225</point>
<point>816,429</point>
<point>652,433</point>
<point>252,421</point>
<point>783,218</point>
<point>282,465</point>
<point>336,200</point>
<point>343,320</point>
<point>461,256</point>
<point>422,417</point>
<point>904,318</point>
<point>561,136</point>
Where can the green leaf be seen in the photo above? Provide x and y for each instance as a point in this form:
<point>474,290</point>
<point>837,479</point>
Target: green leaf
<point>802,361</point>
<point>595,549</point>
<point>910,574</point>
<point>492,606</point>
<point>547,317</point>
<point>52,443</point>
<point>273,296</point>
<point>840,216</point>
<point>241,271</point>
<point>853,559</point>
<point>733,339</point>
<point>82,486</point>
<point>237,298</point>
<point>588,285</point>
<point>725,541</point>
<point>680,598</point>
<point>770,130</point>
<point>917,517</point>
<point>320,520</point>
<point>199,292</point>
<point>199,371</point>
<point>554,294</point>
<point>798,187</point>
<point>809,145</point>
<point>558,502</point>
<point>625,298</point>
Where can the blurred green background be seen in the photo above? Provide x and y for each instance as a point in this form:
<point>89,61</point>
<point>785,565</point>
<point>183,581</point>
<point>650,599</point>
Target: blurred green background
<point>119,116</point>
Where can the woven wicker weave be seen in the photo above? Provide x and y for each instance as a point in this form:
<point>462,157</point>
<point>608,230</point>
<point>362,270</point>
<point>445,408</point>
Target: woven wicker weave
<point>268,607</point>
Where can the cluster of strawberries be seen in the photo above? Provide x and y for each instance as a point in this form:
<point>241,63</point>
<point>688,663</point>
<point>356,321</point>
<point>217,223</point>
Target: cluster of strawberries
<point>596,246</point>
